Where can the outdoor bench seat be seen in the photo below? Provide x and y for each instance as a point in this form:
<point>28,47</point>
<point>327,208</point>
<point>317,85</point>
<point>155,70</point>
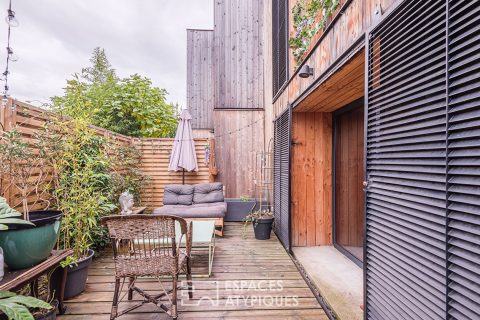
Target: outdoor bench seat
<point>194,210</point>
<point>200,201</point>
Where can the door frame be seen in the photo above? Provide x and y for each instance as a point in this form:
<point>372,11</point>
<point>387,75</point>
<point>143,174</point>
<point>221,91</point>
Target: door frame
<point>352,105</point>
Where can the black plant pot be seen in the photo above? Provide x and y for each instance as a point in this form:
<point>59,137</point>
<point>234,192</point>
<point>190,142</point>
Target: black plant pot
<point>76,277</point>
<point>51,314</point>
<point>262,228</point>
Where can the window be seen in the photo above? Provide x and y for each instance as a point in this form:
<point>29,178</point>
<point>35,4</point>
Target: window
<point>279,44</point>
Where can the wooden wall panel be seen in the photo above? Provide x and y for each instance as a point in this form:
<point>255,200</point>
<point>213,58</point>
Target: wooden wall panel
<point>154,163</point>
<point>238,138</point>
<point>267,70</point>
<point>352,23</point>
<point>349,196</point>
<point>200,78</point>
<point>238,54</point>
<point>311,183</point>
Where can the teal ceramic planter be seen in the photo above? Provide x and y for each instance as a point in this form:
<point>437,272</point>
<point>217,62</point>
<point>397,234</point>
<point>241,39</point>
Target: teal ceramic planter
<point>25,247</point>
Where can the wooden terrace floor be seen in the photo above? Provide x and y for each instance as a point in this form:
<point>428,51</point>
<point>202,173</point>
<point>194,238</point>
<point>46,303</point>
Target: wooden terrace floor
<point>251,279</point>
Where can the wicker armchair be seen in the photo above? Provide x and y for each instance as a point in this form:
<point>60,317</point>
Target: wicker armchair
<point>146,246</point>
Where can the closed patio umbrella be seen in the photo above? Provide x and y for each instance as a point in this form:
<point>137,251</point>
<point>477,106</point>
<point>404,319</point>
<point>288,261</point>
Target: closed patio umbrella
<point>183,155</point>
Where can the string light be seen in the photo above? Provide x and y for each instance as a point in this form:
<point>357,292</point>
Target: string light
<point>229,133</point>
<point>239,129</point>
<point>10,19</point>
<point>12,22</point>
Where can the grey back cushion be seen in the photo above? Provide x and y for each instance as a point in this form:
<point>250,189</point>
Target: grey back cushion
<point>208,193</point>
<point>178,194</point>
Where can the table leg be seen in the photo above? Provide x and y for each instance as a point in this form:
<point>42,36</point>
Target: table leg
<point>209,259</point>
<point>61,296</point>
<point>211,254</point>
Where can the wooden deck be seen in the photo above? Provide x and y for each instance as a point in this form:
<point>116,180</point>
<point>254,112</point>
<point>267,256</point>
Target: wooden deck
<point>251,279</point>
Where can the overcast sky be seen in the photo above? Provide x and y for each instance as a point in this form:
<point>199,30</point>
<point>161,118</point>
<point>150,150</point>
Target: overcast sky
<point>56,38</point>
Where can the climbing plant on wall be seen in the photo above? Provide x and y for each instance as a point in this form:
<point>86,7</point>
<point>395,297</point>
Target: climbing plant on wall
<point>309,17</point>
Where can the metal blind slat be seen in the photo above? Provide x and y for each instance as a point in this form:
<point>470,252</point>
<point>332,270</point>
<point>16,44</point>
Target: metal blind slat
<point>464,160</point>
<point>406,164</point>
<point>282,178</point>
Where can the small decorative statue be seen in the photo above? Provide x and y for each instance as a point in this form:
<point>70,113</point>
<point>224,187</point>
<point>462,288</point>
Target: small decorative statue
<point>126,203</point>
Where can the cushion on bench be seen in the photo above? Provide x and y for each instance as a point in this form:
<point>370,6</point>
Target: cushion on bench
<point>207,210</point>
<point>208,193</point>
<point>178,194</point>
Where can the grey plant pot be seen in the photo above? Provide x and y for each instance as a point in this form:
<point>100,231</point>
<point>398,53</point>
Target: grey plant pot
<point>237,209</point>
<point>76,277</point>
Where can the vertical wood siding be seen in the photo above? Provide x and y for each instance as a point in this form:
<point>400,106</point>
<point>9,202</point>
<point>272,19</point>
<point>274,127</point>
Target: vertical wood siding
<point>200,79</point>
<point>311,174</point>
<point>349,177</point>
<point>239,84</point>
<point>238,38</point>
<point>238,138</point>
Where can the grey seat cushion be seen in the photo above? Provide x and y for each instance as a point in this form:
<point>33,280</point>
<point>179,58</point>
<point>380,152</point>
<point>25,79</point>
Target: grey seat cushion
<point>215,210</point>
<point>178,194</point>
<point>208,193</point>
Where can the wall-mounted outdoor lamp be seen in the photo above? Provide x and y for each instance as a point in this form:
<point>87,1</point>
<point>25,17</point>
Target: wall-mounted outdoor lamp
<point>305,71</point>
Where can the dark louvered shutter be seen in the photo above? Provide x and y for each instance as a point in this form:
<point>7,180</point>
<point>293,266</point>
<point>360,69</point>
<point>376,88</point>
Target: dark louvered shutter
<point>406,169</point>
<point>281,175</point>
<point>464,160</point>
<point>279,43</point>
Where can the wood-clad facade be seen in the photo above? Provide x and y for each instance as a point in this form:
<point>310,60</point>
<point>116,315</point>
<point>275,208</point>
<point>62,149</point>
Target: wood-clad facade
<point>377,149</point>
<point>200,75</point>
<point>337,56</point>
<point>330,50</point>
<point>400,80</point>
<point>239,54</point>
<point>225,83</point>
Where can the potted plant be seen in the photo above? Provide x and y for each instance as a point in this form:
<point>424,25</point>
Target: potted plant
<point>262,221</point>
<point>17,307</point>
<point>82,191</point>
<point>23,175</point>
<point>238,209</point>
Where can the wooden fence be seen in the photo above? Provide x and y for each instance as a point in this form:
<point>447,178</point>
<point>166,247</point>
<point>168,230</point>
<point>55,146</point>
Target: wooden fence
<point>154,164</point>
<point>154,153</point>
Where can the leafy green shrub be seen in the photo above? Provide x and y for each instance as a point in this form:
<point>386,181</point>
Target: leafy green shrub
<point>131,106</point>
<point>309,17</point>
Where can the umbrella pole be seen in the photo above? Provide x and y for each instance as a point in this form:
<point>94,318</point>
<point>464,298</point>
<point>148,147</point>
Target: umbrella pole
<point>183,176</point>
